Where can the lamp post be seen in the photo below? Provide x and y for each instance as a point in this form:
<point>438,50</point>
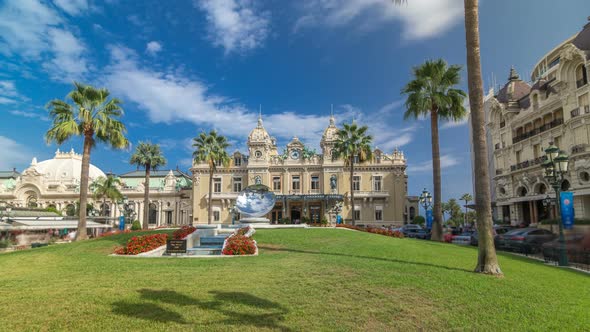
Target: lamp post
<point>126,210</point>
<point>426,202</point>
<point>555,168</point>
<point>548,202</point>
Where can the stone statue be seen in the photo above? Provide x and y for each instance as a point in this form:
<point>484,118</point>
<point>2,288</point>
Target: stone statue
<point>333,182</point>
<point>258,179</point>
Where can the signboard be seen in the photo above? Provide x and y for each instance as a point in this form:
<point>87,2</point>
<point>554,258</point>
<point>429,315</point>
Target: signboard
<point>429,219</point>
<point>176,246</point>
<point>566,204</point>
<point>122,223</point>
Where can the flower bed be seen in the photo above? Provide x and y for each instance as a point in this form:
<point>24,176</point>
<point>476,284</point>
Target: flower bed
<point>114,233</point>
<point>181,233</point>
<point>373,230</point>
<point>239,245</point>
<point>138,244</point>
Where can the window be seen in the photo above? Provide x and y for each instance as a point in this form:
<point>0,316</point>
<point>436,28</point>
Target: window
<point>217,185</point>
<point>378,213</point>
<point>216,215</point>
<point>237,184</point>
<point>356,183</point>
<point>357,215</point>
<point>169,217</point>
<point>218,162</point>
<point>536,151</point>
<point>296,183</point>
<point>556,141</point>
<point>581,76</point>
<point>377,183</point>
<point>276,183</point>
<point>518,157</point>
<point>356,159</point>
<point>238,161</point>
<point>315,182</point>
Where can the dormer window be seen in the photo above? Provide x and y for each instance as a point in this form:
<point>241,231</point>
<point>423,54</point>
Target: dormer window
<point>238,161</point>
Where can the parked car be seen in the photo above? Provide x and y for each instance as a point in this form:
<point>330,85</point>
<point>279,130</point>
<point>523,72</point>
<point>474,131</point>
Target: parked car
<point>407,227</point>
<point>462,239</point>
<point>574,244</point>
<point>498,230</point>
<point>423,234</point>
<point>525,240</point>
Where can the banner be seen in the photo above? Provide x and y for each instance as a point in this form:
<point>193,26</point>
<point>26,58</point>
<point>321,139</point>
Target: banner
<point>122,223</point>
<point>566,203</point>
<point>429,219</point>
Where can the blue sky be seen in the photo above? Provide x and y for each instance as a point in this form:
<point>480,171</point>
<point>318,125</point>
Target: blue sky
<point>186,66</point>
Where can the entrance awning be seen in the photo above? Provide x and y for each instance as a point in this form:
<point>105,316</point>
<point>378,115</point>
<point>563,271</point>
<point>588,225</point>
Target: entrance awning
<point>25,224</point>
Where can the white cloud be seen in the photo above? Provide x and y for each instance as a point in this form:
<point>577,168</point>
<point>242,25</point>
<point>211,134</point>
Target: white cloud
<point>68,63</point>
<point>13,154</point>
<point>4,101</point>
<point>446,161</point>
<point>35,32</point>
<point>153,47</point>
<point>420,18</point>
<point>31,115</point>
<point>9,93</point>
<point>235,25</point>
<point>451,124</point>
<point>72,7</point>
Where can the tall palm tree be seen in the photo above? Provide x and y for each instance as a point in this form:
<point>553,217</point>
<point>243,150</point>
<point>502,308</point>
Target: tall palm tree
<point>432,92</point>
<point>467,198</point>
<point>107,187</point>
<point>149,156</point>
<point>352,142</point>
<point>487,262</point>
<point>211,148</point>
<point>96,118</point>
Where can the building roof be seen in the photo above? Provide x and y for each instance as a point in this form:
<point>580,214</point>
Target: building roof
<point>65,166</point>
<point>9,174</point>
<point>158,173</point>
<point>514,89</point>
<point>582,40</point>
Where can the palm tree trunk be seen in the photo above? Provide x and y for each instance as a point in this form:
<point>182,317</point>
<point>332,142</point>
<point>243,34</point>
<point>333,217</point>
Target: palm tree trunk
<point>487,262</point>
<point>437,210</point>
<point>146,197</point>
<point>352,189</point>
<point>104,206</point>
<point>210,195</point>
<point>81,234</point>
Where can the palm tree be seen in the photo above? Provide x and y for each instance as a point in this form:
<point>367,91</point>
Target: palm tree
<point>352,143</point>
<point>467,198</point>
<point>211,148</point>
<point>149,156</point>
<point>95,117</point>
<point>107,188</point>
<point>487,262</point>
<point>432,92</point>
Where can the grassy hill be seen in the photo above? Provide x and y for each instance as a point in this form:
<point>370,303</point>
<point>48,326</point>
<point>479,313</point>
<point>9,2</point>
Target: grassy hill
<point>304,279</point>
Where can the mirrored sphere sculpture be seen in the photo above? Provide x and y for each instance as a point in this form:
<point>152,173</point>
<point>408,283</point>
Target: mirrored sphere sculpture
<point>256,200</point>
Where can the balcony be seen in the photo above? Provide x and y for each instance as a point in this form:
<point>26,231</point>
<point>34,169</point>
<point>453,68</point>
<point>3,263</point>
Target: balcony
<point>537,131</point>
<point>499,171</point>
<point>226,195</point>
<point>578,148</point>
<point>527,163</point>
<point>581,82</point>
<point>359,194</point>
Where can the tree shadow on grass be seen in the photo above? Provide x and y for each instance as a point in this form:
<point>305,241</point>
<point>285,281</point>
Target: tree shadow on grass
<point>272,317</point>
<point>149,311</point>
<point>383,259</point>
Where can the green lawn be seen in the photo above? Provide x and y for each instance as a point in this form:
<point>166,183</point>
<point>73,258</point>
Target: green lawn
<point>304,279</point>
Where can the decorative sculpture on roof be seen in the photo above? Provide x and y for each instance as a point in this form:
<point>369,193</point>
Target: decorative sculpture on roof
<point>333,183</point>
<point>308,153</point>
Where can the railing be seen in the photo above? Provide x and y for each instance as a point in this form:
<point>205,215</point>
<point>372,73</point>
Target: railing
<point>537,131</point>
<point>580,110</point>
<point>527,163</point>
<point>371,193</point>
<point>499,171</point>
<point>578,148</point>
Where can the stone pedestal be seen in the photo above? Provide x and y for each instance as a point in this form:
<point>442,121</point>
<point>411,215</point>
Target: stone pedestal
<point>254,220</point>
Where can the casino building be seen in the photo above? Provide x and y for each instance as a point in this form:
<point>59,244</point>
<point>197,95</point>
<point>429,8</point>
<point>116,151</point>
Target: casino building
<point>307,185</point>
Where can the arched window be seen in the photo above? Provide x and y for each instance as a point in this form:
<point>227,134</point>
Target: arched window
<point>153,214</point>
<point>581,76</point>
<point>31,199</point>
<point>565,185</point>
<point>412,212</point>
<point>542,189</point>
<point>521,192</point>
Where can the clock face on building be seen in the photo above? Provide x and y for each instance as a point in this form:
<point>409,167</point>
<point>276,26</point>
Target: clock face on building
<point>258,154</point>
<point>295,154</point>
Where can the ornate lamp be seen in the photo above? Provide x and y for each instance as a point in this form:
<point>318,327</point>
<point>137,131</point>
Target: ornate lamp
<point>552,152</point>
<point>562,162</point>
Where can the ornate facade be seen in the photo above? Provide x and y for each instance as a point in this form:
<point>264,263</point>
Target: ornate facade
<point>523,119</point>
<point>56,183</point>
<point>307,184</point>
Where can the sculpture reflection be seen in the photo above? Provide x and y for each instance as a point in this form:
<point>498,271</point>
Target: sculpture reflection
<point>254,202</point>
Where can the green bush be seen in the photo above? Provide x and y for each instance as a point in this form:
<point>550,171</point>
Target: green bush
<point>5,243</point>
<point>555,221</point>
<point>324,221</point>
<point>285,221</point>
<point>136,225</point>
<point>53,209</point>
<point>305,220</point>
<point>418,220</point>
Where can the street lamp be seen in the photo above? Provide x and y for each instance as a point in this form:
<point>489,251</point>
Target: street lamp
<point>556,165</point>
<point>548,202</point>
<point>126,210</point>
<point>426,202</point>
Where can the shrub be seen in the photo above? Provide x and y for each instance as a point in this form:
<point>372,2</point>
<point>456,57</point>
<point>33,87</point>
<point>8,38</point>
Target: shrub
<point>285,221</point>
<point>305,220</point>
<point>418,220</point>
<point>242,231</point>
<point>324,221</point>
<point>556,221</point>
<point>374,230</point>
<point>138,244</point>
<point>136,225</point>
<point>182,232</point>
<point>239,245</point>
<point>5,243</point>
<point>54,210</point>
